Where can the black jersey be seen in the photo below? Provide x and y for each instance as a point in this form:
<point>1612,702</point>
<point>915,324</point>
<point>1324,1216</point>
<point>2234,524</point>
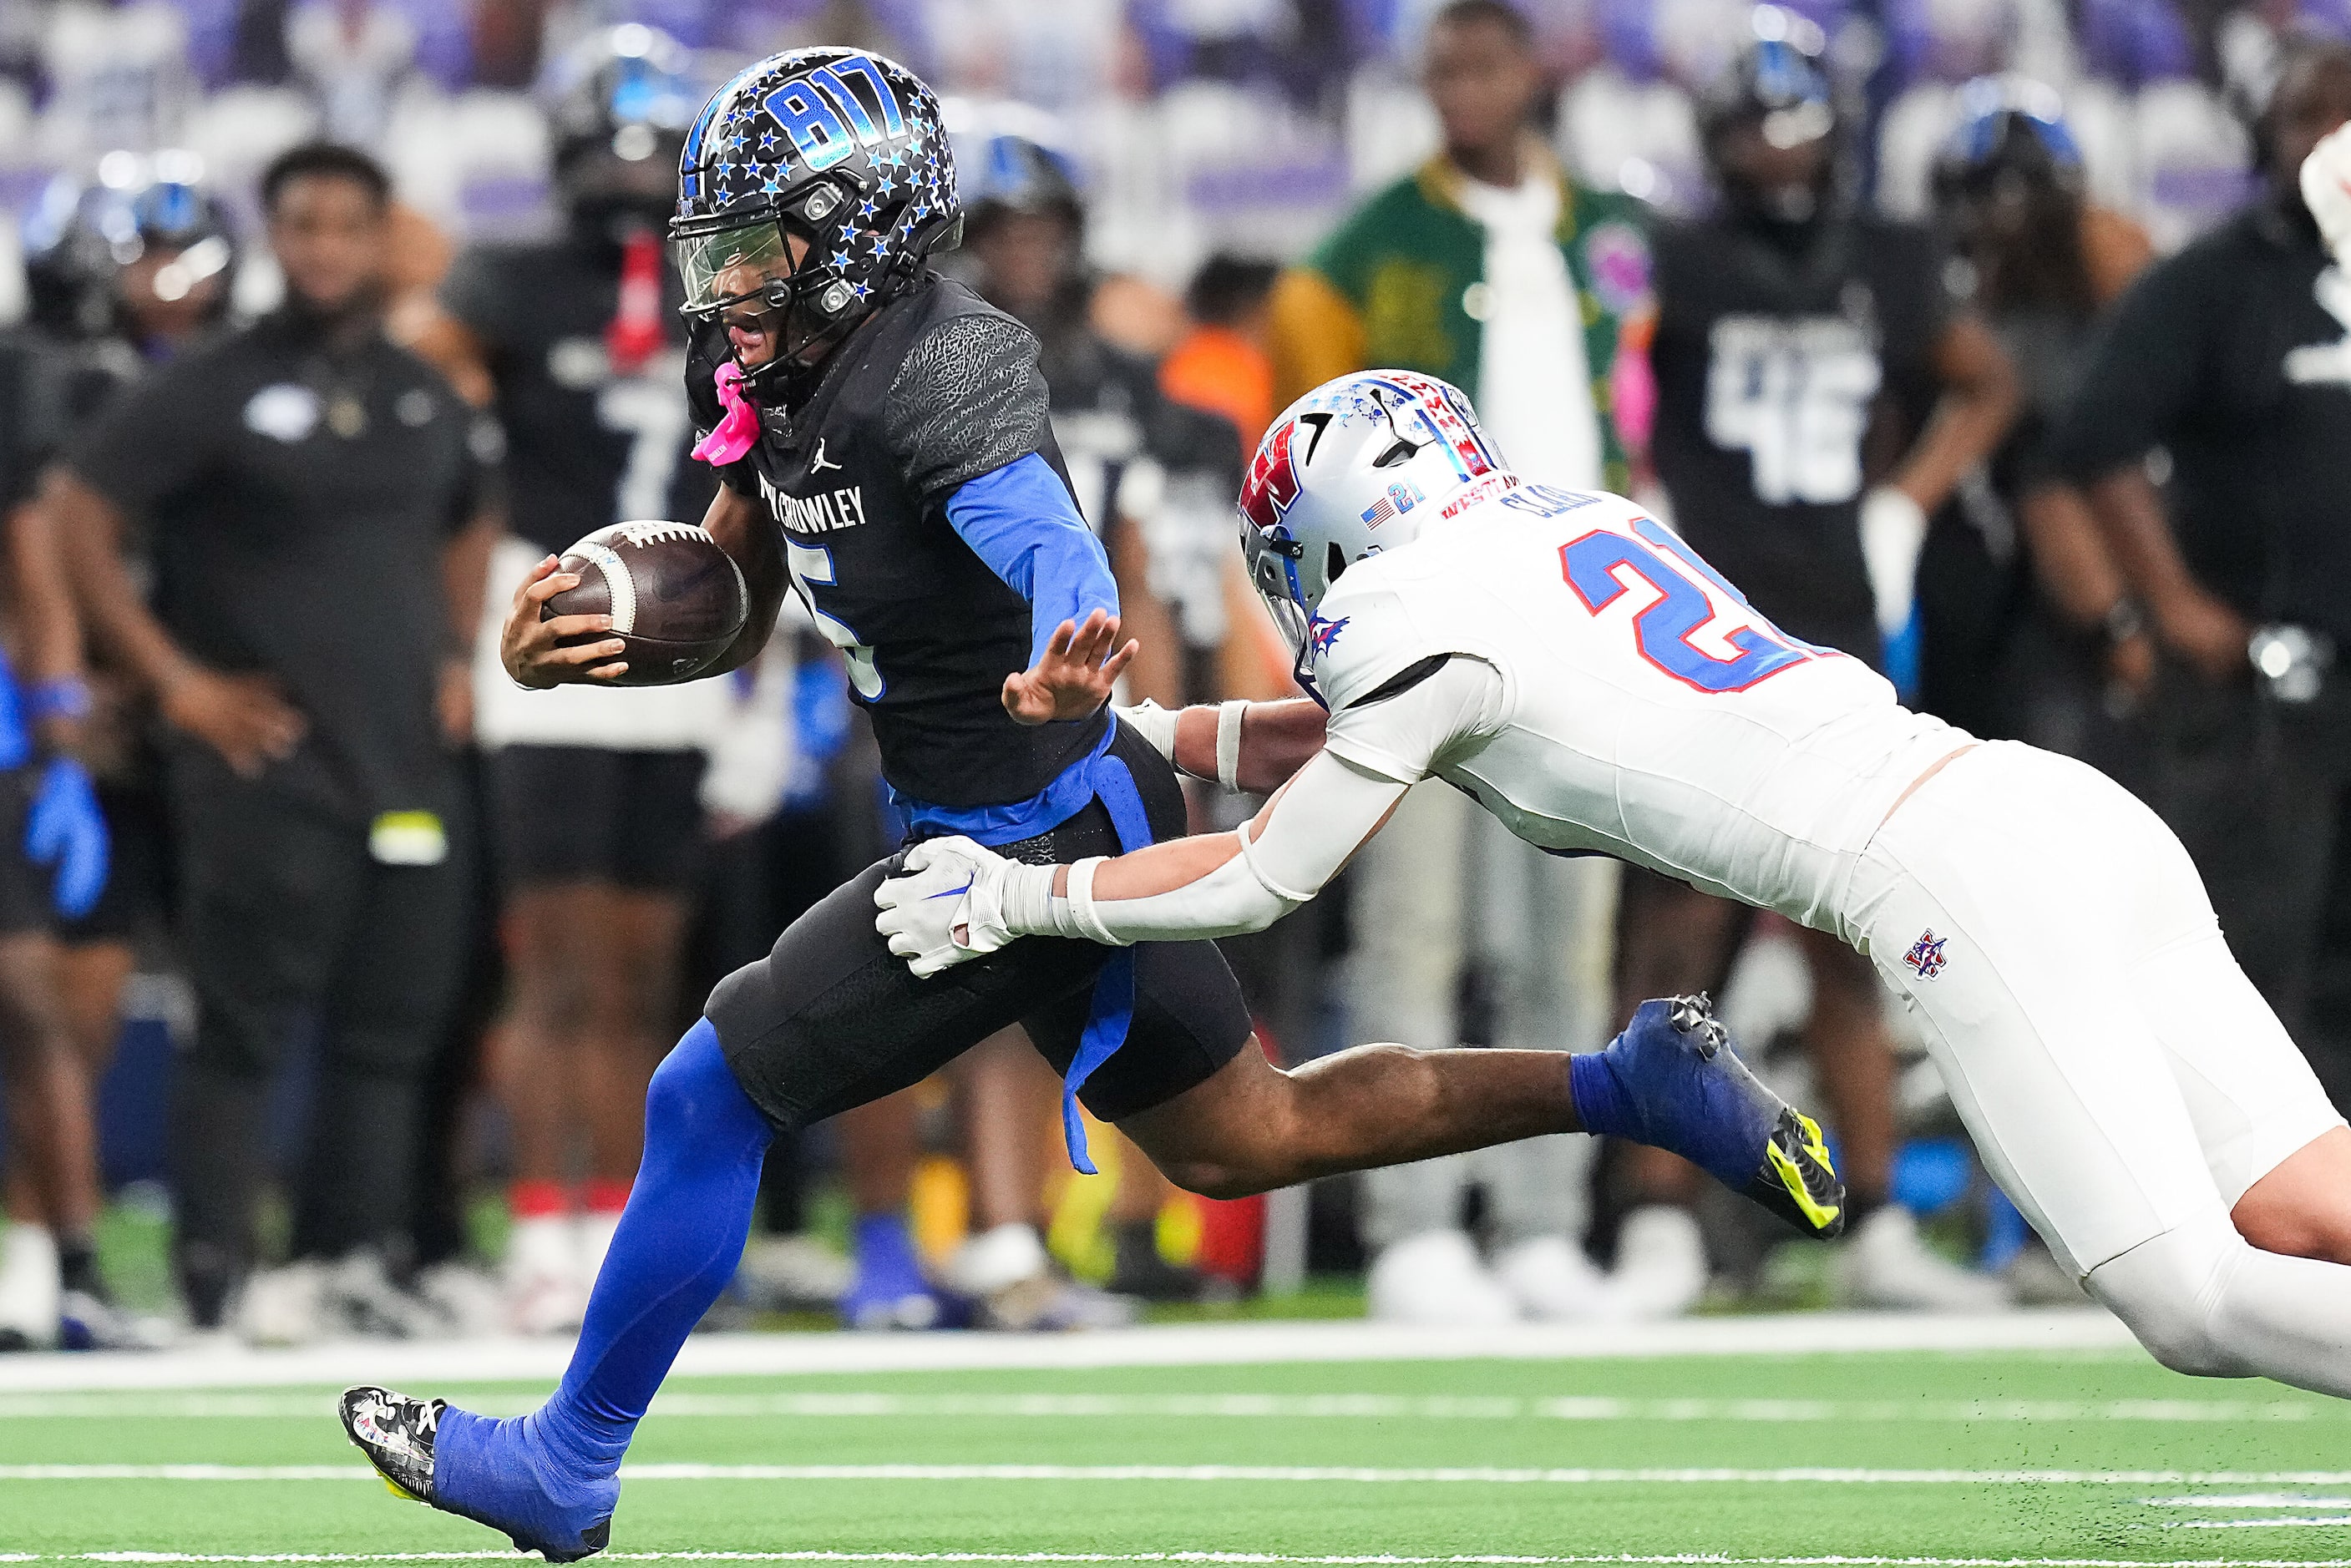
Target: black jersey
<point>276,469</point>
<point>1771,360</point>
<point>2234,356</point>
<point>28,421</point>
<point>934,389</point>
<point>586,445</point>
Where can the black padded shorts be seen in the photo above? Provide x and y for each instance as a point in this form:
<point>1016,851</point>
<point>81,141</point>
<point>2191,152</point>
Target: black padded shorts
<point>833,1019</point>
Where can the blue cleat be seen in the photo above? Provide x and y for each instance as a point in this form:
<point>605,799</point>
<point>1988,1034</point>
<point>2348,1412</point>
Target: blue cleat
<point>497,1473</point>
<point>1672,1081</point>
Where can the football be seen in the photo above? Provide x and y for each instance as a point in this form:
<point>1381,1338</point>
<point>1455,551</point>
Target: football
<point>675,597</point>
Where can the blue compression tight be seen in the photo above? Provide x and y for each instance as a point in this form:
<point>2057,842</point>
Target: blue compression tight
<point>678,1243</point>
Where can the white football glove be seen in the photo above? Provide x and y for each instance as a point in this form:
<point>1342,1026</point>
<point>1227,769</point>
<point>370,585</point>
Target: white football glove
<point>2326,189</point>
<point>1892,532</point>
<point>946,907</point>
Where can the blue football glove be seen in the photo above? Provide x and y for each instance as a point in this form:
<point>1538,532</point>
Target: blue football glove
<point>67,830</point>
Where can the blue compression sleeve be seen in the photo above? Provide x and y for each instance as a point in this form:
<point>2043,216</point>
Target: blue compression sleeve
<point>677,1245</point>
<point>1020,519</point>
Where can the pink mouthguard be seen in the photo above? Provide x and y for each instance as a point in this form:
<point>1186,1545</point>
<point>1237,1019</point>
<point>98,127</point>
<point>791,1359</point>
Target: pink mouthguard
<point>739,431</point>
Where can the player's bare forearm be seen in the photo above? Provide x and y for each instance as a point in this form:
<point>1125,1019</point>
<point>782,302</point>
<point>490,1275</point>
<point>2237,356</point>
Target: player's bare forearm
<point>741,526</point>
<point>464,578</point>
<point>49,632</point>
<point>1158,869</point>
<point>2069,555</point>
<point>89,530</point>
<point>1978,403</point>
<point>2191,620</point>
<point>1276,740</point>
<point>2130,517</point>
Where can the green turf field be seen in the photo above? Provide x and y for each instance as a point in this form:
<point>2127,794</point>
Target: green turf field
<point>1926,1457</point>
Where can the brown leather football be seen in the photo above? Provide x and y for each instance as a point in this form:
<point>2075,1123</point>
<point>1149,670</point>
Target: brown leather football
<point>676,599</point>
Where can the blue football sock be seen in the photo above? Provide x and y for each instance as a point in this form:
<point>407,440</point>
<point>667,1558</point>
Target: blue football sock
<point>889,1273</point>
<point>676,1248</point>
<point>1654,1086</point>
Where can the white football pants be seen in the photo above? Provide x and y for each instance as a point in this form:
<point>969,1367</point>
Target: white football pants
<point>2124,1081</point>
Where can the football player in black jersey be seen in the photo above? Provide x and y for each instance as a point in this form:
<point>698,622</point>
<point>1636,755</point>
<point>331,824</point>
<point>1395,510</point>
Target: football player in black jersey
<point>885,440</point>
<point>594,812</point>
<point>1820,392</point>
<point>122,276</point>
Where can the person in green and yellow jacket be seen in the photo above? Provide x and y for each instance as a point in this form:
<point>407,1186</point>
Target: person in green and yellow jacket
<point>1489,268</point>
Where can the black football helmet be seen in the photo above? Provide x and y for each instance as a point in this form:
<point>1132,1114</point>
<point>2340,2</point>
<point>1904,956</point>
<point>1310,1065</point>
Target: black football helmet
<point>2012,130</point>
<point>618,105</point>
<point>1778,84</point>
<point>79,238</point>
<point>840,150</point>
<point>1008,173</point>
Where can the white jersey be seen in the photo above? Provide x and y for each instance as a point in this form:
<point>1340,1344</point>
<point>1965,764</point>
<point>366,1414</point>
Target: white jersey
<point>1644,709</point>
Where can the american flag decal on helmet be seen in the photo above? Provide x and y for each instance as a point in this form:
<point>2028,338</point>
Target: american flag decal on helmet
<point>1401,497</point>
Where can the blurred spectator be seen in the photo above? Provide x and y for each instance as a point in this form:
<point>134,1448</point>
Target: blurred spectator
<point>312,496</point>
<point>2229,358</point>
<point>1221,364</point>
<point>1494,269</point>
<point>596,822</point>
<point>1788,330</point>
<point>117,77</point>
<point>2029,630</point>
<point>139,272</point>
<point>50,1287</point>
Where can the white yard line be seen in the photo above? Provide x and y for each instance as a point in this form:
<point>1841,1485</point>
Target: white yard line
<point>2332,1521</point>
<point>1485,1475</point>
<point>2074,1330</point>
<point>848,1405</point>
<point>1209,1559</point>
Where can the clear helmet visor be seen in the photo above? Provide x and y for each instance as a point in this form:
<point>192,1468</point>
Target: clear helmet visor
<point>733,263</point>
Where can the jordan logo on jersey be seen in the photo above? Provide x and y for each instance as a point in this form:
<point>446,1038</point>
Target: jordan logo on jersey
<point>1925,955</point>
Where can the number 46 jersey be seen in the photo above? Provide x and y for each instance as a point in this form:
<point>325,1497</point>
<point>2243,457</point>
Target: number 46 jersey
<point>1643,708</point>
<point>1774,352</point>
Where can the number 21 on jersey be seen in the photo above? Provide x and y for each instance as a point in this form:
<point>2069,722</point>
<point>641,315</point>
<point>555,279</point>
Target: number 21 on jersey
<point>1662,631</point>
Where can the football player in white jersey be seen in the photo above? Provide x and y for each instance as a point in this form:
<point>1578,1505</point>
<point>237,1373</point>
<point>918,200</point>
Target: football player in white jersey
<point>1570,663</point>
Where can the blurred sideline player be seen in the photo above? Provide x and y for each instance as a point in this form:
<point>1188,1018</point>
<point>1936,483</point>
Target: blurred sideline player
<point>122,276</point>
<point>53,862</point>
<point>1819,395</point>
<point>164,288</point>
<point>1493,266</point>
<point>2028,629</point>
<point>1135,459</point>
<point>887,452</point>
<point>596,826</point>
<point>1596,684</point>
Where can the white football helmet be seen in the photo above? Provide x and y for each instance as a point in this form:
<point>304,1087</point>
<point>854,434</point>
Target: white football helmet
<point>1354,467</point>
